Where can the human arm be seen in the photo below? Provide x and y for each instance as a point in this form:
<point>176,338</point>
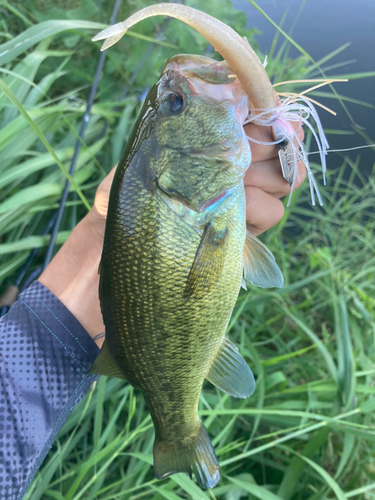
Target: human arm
<point>44,359</point>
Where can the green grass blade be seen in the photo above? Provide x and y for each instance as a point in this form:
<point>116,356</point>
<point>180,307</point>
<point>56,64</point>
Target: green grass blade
<point>331,483</point>
<point>164,493</point>
<point>29,195</point>
<point>15,11</point>
<point>290,480</point>
<point>41,136</point>
<point>254,489</point>
<point>10,50</point>
<point>32,242</point>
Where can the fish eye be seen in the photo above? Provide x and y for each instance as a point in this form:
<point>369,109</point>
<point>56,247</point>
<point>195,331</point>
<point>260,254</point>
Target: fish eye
<point>172,102</point>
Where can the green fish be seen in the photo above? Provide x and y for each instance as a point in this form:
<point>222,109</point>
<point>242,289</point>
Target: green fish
<point>175,254</point>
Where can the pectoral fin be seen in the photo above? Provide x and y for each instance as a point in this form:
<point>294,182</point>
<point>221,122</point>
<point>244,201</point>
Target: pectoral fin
<point>230,372</point>
<point>104,364</point>
<point>260,267</point>
<point>208,262</point>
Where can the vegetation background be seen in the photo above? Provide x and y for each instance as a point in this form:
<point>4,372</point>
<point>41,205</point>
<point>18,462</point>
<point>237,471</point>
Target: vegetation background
<point>308,432</point>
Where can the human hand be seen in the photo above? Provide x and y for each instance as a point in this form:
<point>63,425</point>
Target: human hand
<point>264,181</point>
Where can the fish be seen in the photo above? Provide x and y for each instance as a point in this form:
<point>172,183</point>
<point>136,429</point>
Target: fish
<point>176,252</point>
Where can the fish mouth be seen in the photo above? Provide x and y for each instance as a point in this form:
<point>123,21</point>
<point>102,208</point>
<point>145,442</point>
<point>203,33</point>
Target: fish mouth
<point>204,68</point>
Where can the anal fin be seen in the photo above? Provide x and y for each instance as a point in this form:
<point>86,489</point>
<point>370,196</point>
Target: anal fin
<point>104,364</point>
<point>230,372</point>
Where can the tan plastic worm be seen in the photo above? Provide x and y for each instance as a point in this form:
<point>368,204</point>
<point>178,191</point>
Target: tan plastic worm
<point>234,49</point>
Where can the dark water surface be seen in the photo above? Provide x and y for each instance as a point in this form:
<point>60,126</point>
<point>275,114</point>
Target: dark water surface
<point>322,26</point>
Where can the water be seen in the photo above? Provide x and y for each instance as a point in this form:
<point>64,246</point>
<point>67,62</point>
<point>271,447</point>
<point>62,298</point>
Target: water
<point>323,26</point>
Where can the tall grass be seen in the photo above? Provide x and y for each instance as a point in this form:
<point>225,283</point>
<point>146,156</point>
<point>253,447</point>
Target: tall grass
<point>308,432</point>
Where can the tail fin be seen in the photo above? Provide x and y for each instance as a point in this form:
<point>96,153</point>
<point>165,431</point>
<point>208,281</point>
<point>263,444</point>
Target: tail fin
<point>192,454</point>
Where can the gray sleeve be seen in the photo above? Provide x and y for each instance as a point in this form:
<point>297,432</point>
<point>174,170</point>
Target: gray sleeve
<point>45,354</point>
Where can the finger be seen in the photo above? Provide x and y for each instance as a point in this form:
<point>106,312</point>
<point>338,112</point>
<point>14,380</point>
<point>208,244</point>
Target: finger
<point>262,210</point>
<point>106,183</point>
<point>260,152</point>
<point>102,194</point>
<point>267,175</point>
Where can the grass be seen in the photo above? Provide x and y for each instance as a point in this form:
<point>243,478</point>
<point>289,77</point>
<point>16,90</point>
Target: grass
<point>308,432</point>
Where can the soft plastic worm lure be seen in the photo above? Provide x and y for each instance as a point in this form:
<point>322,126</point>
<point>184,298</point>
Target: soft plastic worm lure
<point>263,107</point>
